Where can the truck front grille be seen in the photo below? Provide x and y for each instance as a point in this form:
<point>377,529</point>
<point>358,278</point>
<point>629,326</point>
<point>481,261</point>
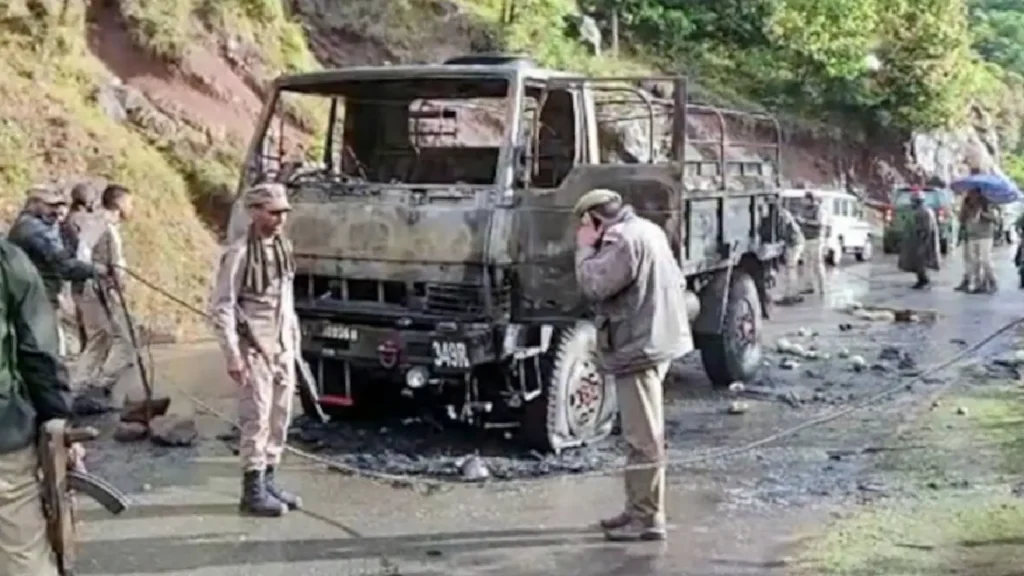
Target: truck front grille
<point>428,297</point>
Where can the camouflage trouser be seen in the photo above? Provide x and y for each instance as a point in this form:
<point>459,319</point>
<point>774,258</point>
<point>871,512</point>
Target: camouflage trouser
<point>264,409</point>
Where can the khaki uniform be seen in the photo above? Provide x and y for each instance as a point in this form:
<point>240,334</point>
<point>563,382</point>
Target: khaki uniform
<point>265,399</point>
<point>109,358</point>
<point>638,290</point>
<point>980,231</point>
<point>815,231</point>
<point>793,238</point>
<point>24,547</point>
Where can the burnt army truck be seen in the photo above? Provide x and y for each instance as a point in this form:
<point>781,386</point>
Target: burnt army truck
<point>434,235</point>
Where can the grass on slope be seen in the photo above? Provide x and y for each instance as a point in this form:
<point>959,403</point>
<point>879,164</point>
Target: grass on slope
<point>166,28</point>
<point>51,129</point>
<point>959,516</point>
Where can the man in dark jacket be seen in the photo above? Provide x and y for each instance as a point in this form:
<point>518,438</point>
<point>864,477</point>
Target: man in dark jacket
<point>32,391</point>
<point>37,232</point>
<point>626,269</point>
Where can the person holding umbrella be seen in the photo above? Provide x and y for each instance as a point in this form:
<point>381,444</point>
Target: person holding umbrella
<point>979,230</point>
<point>989,190</point>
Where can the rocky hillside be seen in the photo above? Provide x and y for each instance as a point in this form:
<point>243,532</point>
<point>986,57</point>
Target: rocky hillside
<point>161,95</point>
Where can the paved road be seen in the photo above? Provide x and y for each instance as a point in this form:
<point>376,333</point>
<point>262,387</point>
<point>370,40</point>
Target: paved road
<point>731,518</point>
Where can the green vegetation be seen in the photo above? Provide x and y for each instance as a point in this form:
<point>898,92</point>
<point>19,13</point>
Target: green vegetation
<point>811,59</point>
<point>52,129</point>
<point>954,512</point>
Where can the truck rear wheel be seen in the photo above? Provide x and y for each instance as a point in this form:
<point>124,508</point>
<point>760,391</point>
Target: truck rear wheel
<point>577,405</point>
<point>735,354</point>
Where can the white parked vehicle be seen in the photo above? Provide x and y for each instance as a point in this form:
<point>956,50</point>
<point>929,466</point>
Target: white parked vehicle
<point>844,215</point>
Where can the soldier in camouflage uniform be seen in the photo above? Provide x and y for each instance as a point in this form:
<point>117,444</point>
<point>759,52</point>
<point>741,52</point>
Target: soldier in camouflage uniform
<point>254,285</point>
<point>626,269</point>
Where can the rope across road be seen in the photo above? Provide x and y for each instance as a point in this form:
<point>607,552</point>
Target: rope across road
<point>431,485</point>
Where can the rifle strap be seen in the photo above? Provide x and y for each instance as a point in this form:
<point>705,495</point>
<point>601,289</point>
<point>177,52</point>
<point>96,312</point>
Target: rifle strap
<point>10,341</point>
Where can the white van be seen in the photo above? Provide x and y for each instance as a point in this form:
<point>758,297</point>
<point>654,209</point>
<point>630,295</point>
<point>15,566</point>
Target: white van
<point>844,214</point>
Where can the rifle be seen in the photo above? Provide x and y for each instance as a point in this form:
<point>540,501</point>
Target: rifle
<point>61,479</point>
<point>304,380</point>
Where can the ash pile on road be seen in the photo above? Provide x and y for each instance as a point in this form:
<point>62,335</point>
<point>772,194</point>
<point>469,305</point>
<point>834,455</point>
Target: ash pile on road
<point>418,447</point>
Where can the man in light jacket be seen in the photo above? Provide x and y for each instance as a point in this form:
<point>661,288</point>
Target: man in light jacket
<point>626,269</point>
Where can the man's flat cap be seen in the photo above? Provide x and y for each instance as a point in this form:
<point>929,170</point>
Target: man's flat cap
<point>595,198</point>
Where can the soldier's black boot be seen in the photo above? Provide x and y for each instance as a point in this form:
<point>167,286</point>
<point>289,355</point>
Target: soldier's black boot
<point>256,501</point>
<point>290,500</point>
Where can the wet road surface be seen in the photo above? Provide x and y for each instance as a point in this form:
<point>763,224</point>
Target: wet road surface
<point>736,516</point>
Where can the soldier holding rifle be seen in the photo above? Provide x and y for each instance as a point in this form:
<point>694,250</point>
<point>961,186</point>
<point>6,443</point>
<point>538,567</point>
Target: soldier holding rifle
<point>253,314</point>
<point>32,387</point>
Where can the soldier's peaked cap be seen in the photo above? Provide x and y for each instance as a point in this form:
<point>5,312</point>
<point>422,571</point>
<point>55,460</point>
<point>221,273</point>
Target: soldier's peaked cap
<point>595,198</point>
<point>270,195</point>
<point>47,194</point>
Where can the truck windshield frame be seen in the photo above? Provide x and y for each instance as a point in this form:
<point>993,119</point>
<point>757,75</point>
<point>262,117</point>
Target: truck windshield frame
<point>421,130</point>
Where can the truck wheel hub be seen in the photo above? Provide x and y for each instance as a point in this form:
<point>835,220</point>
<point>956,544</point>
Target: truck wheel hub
<point>744,323</point>
<point>585,395</point>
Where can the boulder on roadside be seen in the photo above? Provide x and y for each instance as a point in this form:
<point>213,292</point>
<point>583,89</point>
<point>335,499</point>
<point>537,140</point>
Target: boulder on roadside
<point>173,430</point>
<point>130,432</point>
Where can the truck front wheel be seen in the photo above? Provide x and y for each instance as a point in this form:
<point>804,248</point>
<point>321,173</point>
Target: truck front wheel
<point>577,405</point>
<point>735,353</point>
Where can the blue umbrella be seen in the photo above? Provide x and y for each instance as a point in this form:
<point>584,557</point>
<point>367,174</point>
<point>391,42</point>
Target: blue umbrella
<point>994,187</point>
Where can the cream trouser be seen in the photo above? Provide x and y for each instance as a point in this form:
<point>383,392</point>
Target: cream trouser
<point>812,272</point>
<point>265,410</point>
<point>24,547</point>
<point>643,426</point>
<point>109,358</point>
<point>983,273</point>
<point>791,285</point>
<point>970,271</point>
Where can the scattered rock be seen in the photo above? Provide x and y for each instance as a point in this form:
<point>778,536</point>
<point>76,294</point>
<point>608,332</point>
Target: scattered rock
<point>736,387</point>
<point>840,454</point>
<point>130,432</point>
<point>804,332</point>
<point>890,353</point>
<point>738,408</point>
<point>819,397</point>
<point>784,346</point>
<point>788,364</point>
<point>958,341</point>
<point>858,363</point>
<point>907,362</point>
<point>843,353</point>
<point>961,411</point>
<point>791,398</point>
<point>936,404</point>
<point>172,430</point>
<point>879,367</point>
<point>474,469</point>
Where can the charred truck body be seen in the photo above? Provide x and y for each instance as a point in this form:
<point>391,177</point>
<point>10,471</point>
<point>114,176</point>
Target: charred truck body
<point>434,234</point>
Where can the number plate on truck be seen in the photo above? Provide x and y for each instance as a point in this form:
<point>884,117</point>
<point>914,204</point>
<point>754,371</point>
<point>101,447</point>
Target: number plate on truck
<point>450,354</point>
<point>340,332</point>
